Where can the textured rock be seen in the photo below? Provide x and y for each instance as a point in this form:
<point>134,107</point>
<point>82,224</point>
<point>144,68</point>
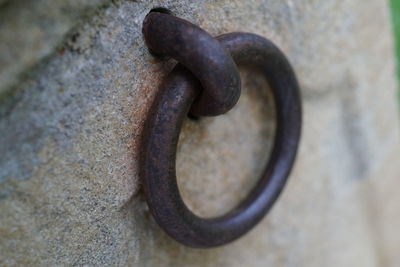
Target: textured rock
<point>32,30</point>
<point>69,185</point>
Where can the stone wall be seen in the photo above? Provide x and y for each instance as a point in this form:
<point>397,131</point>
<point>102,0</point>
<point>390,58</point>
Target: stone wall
<point>76,82</point>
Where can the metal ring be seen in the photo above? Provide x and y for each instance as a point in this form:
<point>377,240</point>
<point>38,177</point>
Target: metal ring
<point>161,133</point>
<point>202,55</point>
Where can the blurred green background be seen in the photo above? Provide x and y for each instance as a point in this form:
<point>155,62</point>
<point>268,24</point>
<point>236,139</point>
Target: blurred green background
<point>395,7</point>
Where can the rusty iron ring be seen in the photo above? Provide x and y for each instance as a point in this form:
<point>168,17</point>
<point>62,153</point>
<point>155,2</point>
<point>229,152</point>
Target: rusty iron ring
<point>161,133</point>
<point>201,54</point>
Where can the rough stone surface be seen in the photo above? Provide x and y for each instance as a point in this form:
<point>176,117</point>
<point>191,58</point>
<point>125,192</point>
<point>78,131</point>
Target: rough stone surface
<point>69,185</point>
<point>32,30</point>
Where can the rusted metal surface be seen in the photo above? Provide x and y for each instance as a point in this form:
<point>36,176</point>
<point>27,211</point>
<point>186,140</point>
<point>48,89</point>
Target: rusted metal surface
<point>202,55</point>
<point>177,94</point>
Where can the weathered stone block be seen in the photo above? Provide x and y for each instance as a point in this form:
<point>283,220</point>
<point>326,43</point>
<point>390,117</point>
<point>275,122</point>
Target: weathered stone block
<point>69,185</point>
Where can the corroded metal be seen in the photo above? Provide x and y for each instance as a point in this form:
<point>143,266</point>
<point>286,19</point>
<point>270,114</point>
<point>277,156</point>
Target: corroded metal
<point>160,137</point>
<point>202,55</point>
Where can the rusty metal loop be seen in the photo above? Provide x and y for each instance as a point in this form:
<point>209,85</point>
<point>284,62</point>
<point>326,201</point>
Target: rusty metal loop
<point>161,133</point>
<point>202,55</point>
